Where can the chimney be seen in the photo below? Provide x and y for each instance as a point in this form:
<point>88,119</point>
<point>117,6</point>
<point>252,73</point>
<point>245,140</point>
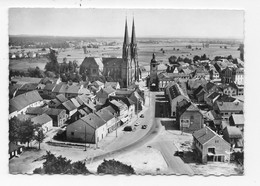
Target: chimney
<point>237,103</point>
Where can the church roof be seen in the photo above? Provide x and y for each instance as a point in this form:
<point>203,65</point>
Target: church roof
<point>126,39</point>
<point>133,39</point>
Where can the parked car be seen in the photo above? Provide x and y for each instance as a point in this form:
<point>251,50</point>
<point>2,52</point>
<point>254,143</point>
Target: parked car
<point>179,153</point>
<point>128,128</point>
<point>137,124</point>
<point>141,116</point>
<point>144,126</point>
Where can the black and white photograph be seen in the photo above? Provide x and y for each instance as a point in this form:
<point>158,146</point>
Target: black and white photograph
<point>126,91</point>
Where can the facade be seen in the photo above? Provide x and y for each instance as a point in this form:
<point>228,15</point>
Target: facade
<point>237,120</point>
<point>210,147</point>
<point>233,136</point>
<point>45,121</point>
<point>230,89</point>
<point>14,150</point>
<point>238,76</point>
<point>58,116</point>
<point>226,109</point>
<point>19,104</point>
<point>189,118</point>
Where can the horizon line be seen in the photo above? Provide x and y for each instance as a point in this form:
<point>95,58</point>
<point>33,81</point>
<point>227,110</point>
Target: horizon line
<point>152,36</point>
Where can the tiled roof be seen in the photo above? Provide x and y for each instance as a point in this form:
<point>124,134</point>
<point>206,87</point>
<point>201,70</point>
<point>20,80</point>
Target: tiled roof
<point>110,109</point>
<point>23,100</point>
<point>204,135</point>
<point>29,86</point>
<point>22,80</point>
<point>36,110</point>
<point>232,132</point>
<point>230,106</point>
<point>49,87</point>
<point>53,111</point>
<point>41,119</point>
<point>61,98</point>
<point>69,105</point>
<point>112,61</point>
<point>75,102</point>
<point>238,118</point>
<point>109,90</point>
<point>213,95</point>
<point>105,114</point>
<point>93,120</point>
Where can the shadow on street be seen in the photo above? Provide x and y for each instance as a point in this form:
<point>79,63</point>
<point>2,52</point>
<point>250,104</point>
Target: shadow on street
<point>169,125</point>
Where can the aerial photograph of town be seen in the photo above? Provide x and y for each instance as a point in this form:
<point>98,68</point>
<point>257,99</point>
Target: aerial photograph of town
<point>126,91</point>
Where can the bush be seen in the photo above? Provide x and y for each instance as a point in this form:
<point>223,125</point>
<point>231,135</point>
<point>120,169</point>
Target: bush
<point>114,167</point>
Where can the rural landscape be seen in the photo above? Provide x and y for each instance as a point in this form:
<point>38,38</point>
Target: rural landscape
<point>126,104</point>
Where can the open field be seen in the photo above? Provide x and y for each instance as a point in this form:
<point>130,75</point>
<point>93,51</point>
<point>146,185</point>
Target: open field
<point>145,51</point>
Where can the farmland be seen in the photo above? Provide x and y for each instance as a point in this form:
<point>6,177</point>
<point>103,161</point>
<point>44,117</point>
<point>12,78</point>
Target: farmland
<point>145,50</point>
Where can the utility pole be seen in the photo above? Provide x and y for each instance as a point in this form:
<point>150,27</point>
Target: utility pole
<point>85,138</point>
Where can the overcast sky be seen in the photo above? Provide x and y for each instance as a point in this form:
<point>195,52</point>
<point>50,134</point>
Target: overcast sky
<point>110,22</point>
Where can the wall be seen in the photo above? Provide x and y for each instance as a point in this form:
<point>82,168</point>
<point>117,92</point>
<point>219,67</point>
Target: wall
<point>197,124</point>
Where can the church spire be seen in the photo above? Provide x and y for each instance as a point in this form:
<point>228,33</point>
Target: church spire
<point>133,39</point>
<point>126,39</point>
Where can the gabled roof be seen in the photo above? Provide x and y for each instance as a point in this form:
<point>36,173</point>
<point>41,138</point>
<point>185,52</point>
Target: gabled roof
<point>61,98</point>
<point>24,100</point>
<point>54,102</point>
<point>232,132</point>
<point>105,114</point>
<point>112,84</point>
<point>184,106</point>
<point>204,135</point>
<point>126,100</point>
<point>29,86</point>
<point>36,110</point>
<point>75,102</point>
<point>49,87</point>
<point>213,95</point>
<point>93,120</point>
<point>53,111</point>
<point>69,105</point>
<point>86,109</point>
<point>225,98</point>
<point>41,119</point>
<point>22,80</point>
<point>112,60</point>
<point>230,106</point>
<point>110,109</point>
<point>82,112</point>
<point>109,90</point>
<point>238,119</point>
<point>124,92</point>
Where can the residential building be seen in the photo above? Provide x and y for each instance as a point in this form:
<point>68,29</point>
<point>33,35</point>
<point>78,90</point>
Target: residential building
<point>19,104</point>
<point>112,122</point>
<point>14,150</point>
<point>233,135</point>
<point>210,147</point>
<point>237,120</point>
<point>188,117</point>
<point>58,116</point>
<point>226,109</point>
<point>44,120</point>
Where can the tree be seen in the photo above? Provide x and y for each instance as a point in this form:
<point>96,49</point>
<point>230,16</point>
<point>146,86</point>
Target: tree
<point>196,58</point>
<point>40,136</point>
<point>60,165</point>
<point>26,131</point>
<point>14,124</point>
<point>172,59</point>
<point>114,167</point>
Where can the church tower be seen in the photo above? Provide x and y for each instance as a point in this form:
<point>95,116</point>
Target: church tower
<point>153,82</point>
<point>134,56</point>
<point>126,58</point>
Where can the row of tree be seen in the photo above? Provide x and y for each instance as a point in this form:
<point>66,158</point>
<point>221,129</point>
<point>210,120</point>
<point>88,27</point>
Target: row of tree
<point>62,165</point>
<point>24,131</point>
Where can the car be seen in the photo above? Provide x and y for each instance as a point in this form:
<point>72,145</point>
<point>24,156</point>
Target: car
<point>128,128</point>
<point>141,116</point>
<point>144,126</point>
<point>137,124</point>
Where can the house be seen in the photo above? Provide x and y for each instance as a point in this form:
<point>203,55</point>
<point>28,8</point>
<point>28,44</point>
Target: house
<point>47,92</point>
<point>104,93</point>
<point>89,129</point>
<point>19,104</point>
<point>85,101</point>
<point>13,89</point>
<point>230,89</point>
<point>24,80</point>
<point>97,84</point>
<point>211,98</point>
<point>214,118</point>
<point>121,109</point>
<point>214,75</point>
<point>240,89</point>
<point>14,150</point>
<point>175,94</point>
<point>237,120</point>
<point>58,116</point>
<point>36,111</point>
<point>238,76</point>
<point>70,109</point>
<point>130,104</point>
<point>210,147</point>
<point>233,136</point>
<point>27,87</point>
<point>227,75</point>
<point>188,117</point>
<point>138,101</point>
<point>44,120</point>
<point>226,109</point>
<point>114,85</point>
<point>112,122</point>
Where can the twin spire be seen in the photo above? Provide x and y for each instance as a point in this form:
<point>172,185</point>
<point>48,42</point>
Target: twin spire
<point>126,39</point>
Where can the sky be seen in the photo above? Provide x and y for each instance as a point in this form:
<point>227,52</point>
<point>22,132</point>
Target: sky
<point>110,22</point>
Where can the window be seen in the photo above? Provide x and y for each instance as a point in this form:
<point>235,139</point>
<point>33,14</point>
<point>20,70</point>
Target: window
<point>191,117</point>
<point>72,133</point>
<point>211,150</point>
<point>216,141</point>
<point>94,71</point>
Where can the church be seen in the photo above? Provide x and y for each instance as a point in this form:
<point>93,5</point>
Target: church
<point>124,70</point>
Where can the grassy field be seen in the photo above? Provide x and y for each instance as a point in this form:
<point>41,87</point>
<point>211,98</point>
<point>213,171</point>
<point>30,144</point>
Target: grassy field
<point>145,51</point>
